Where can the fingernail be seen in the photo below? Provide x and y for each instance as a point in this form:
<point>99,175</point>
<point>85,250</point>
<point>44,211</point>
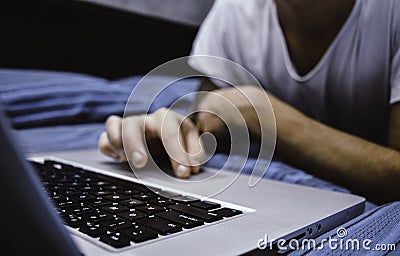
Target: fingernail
<point>182,171</point>
<point>113,155</point>
<point>137,157</point>
<point>195,169</point>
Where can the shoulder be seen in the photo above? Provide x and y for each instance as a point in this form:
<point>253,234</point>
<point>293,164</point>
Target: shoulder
<point>229,21</point>
<point>241,8</point>
<point>241,3</point>
<point>395,23</point>
<point>385,15</point>
<point>235,19</point>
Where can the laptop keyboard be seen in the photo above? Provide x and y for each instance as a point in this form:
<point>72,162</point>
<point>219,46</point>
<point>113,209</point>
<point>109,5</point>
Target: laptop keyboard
<point>119,212</point>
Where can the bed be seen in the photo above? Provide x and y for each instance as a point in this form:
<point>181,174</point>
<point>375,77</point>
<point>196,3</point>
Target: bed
<point>55,111</point>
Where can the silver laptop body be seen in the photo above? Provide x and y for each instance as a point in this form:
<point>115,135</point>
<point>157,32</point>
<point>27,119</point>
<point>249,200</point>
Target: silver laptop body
<point>272,210</point>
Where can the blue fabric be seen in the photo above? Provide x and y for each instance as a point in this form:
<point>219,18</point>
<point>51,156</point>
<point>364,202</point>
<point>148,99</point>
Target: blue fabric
<point>59,138</point>
<point>50,98</point>
<point>40,98</point>
<point>380,225</point>
<point>276,171</point>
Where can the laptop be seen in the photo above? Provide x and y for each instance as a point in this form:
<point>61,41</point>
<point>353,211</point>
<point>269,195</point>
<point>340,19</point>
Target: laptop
<point>81,203</point>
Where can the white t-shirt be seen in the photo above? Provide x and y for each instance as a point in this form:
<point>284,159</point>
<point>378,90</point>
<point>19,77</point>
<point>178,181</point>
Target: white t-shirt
<point>352,86</point>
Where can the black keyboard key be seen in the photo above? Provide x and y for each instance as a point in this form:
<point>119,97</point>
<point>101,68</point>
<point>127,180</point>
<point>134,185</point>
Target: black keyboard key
<point>115,239</point>
<point>196,212</point>
<point>162,226</point>
<point>161,201</point>
<point>64,202</point>
<point>101,192</point>
<point>111,187</point>
<point>63,190</point>
<point>83,197</point>
<point>116,223</point>
<point>77,209</point>
<point>86,188</point>
<point>92,229</point>
<point>139,233</point>
<point>206,205</point>
<point>145,196</point>
<point>227,212</point>
<point>132,214</point>
<point>132,202</point>
<point>129,191</point>
<point>87,179</point>
<point>96,216</point>
<point>73,220</point>
<point>114,208</point>
<point>101,183</point>
<point>116,197</point>
<point>150,209</point>
<point>73,183</point>
<point>183,219</point>
<point>55,197</point>
<point>99,202</point>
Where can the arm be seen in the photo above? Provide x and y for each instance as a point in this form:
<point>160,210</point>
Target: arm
<point>394,127</point>
<point>362,166</point>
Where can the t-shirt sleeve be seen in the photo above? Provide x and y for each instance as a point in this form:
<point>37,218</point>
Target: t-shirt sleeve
<point>221,48</point>
<point>395,79</point>
<point>395,67</point>
<point>213,40</point>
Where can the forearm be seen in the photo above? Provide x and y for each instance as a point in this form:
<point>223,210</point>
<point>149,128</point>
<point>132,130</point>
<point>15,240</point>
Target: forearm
<point>362,166</point>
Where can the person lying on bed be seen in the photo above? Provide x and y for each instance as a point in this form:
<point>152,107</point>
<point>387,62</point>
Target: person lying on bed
<point>332,74</point>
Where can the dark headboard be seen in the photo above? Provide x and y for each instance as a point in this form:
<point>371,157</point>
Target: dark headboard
<point>88,38</point>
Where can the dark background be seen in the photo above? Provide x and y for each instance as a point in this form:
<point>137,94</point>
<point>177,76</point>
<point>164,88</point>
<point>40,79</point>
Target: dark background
<point>82,37</point>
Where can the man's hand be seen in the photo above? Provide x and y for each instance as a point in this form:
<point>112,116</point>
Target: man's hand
<point>179,137</point>
<point>125,139</point>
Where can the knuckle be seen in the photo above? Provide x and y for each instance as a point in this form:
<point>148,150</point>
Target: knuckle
<point>134,118</point>
<point>131,122</point>
<point>111,119</point>
<point>151,122</point>
<point>161,111</point>
<point>166,113</point>
<point>188,124</point>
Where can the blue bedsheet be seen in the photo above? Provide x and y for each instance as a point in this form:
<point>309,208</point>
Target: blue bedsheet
<point>42,98</point>
<point>53,111</point>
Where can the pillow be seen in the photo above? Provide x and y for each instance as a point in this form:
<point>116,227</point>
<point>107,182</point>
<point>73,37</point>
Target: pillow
<point>42,98</point>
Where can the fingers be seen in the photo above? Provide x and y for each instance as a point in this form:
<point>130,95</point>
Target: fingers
<point>106,148</point>
<point>166,125</point>
<point>133,140</point>
<point>193,145</point>
<point>113,127</point>
<point>179,137</point>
